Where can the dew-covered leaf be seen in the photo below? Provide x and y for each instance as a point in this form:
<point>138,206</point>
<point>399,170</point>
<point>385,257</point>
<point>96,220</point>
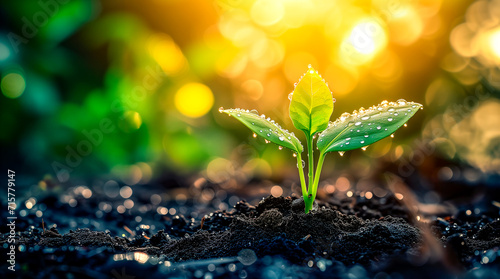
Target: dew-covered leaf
<point>359,129</point>
<point>311,103</point>
<point>266,128</point>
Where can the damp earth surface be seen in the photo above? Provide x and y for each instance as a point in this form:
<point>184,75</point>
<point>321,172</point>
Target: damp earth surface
<point>86,234</point>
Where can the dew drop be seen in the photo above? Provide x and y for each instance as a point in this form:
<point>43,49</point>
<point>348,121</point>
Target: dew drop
<point>303,164</point>
<point>401,102</point>
<point>344,116</point>
<point>311,71</point>
<point>391,109</point>
<point>365,117</point>
<point>267,141</point>
<point>260,131</point>
<point>253,123</point>
<point>290,96</point>
<point>280,147</point>
<point>378,127</point>
<point>384,102</point>
<point>281,138</point>
<point>366,136</point>
<point>389,119</point>
<point>396,114</point>
<point>268,134</point>
<point>346,143</point>
<point>392,135</point>
<point>357,123</point>
<point>364,148</point>
<point>341,153</point>
<point>309,66</point>
<point>221,109</point>
<point>254,111</point>
<point>362,141</point>
<point>406,125</point>
<point>238,114</point>
<point>254,135</point>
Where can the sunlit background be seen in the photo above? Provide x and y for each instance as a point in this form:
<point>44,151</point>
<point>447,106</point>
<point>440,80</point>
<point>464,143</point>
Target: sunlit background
<point>131,89</point>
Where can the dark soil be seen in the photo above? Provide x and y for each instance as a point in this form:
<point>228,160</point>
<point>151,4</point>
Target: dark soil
<point>344,238</point>
<point>279,226</point>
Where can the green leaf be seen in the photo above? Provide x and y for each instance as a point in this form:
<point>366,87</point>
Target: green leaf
<point>266,128</point>
<point>311,103</point>
<point>359,129</point>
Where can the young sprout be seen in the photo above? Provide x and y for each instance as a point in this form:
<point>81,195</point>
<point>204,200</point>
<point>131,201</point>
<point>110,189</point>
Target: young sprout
<point>311,105</point>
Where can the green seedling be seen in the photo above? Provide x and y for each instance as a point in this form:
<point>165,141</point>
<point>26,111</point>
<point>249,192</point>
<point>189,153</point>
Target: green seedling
<point>311,105</point>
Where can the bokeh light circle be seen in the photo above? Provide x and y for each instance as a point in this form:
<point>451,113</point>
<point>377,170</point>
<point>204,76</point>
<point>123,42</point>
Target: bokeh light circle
<point>13,85</point>
<point>265,13</point>
<point>194,100</point>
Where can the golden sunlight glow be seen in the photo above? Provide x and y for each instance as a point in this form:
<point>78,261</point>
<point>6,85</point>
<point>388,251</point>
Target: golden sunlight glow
<point>366,39</point>
<point>166,53</point>
<point>194,100</point>
<point>362,41</point>
<point>405,27</point>
<point>494,42</point>
<point>265,12</point>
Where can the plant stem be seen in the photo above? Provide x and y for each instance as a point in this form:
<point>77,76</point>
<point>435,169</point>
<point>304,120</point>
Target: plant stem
<point>308,200</point>
<point>314,187</point>
<point>301,175</point>
<point>310,164</point>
